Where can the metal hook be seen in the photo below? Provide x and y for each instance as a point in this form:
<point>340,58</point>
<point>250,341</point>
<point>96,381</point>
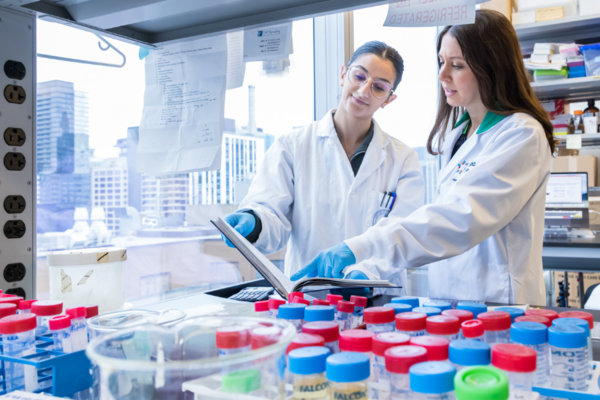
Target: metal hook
<point>75,60</point>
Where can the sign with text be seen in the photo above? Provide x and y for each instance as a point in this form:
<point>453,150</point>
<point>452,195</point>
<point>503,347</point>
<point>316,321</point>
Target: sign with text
<point>420,13</point>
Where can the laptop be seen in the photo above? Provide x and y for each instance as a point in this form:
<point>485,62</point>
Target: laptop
<point>567,203</point>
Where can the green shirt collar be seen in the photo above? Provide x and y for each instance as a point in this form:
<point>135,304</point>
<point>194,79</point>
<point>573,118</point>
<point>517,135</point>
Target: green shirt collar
<point>491,119</point>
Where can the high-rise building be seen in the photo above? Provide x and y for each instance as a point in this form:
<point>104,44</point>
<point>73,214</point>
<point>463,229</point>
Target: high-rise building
<point>430,165</point>
<point>109,190</point>
<point>165,198</point>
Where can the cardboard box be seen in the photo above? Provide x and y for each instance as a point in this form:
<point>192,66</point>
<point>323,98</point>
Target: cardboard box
<point>503,6</point>
<point>587,164</point>
<point>588,280</point>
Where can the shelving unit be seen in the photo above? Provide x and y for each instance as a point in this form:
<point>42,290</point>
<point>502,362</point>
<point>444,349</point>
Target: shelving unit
<point>589,141</point>
<point>577,28</point>
<point>576,89</point>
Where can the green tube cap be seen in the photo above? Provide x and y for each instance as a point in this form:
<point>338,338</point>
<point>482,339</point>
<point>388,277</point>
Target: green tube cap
<point>241,381</point>
<point>481,383</point>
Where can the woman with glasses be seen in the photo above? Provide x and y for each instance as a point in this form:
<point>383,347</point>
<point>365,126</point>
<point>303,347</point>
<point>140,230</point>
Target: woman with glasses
<point>483,235</point>
<point>336,177</point>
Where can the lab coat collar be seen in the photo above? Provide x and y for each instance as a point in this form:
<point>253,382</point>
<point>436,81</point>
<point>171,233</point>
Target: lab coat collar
<point>489,121</point>
<point>374,157</point>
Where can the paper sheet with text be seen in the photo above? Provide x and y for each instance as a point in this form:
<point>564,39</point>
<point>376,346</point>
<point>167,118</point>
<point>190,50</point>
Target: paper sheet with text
<point>182,120</point>
<point>267,43</point>
<point>421,13</point>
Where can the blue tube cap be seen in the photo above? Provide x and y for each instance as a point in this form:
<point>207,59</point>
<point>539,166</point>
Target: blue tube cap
<point>348,367</point>
<point>442,305</point>
<point>573,321</point>
<point>529,332</point>
<point>318,313</point>
<point>567,336</point>
<point>291,311</point>
<point>475,308</point>
<point>308,360</point>
<point>470,352</point>
<point>513,311</point>
<point>412,301</point>
<point>433,377</point>
<point>399,307</point>
<point>430,311</point>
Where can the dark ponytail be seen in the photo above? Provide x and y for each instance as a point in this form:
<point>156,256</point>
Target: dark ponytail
<point>384,51</point>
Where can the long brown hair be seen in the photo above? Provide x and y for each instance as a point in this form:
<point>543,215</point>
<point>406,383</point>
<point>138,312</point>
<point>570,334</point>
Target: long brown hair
<point>491,49</point>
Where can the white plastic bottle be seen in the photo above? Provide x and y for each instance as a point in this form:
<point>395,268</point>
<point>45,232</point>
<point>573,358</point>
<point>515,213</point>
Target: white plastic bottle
<point>535,336</point>
<point>568,345</point>
<point>432,380</point>
<point>60,328</point>
<point>18,340</point>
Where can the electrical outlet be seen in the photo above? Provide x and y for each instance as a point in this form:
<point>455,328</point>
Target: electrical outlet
<point>14,161</point>
<point>14,69</point>
<point>14,272</point>
<point>17,291</point>
<point>14,136</point>
<point>14,94</point>
<point>14,229</point>
<point>14,204</point>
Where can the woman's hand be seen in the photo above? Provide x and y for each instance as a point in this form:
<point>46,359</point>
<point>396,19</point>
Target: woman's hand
<point>329,263</point>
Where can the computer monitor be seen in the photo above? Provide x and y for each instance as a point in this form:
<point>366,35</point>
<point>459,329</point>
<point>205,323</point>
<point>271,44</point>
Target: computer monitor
<point>567,200</point>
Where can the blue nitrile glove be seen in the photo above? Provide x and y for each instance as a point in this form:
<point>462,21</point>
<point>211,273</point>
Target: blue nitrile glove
<point>244,223</point>
<point>356,274</point>
<point>329,263</point>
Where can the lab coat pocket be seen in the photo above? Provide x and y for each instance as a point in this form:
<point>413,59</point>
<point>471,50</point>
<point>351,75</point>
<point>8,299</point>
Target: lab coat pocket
<point>377,208</point>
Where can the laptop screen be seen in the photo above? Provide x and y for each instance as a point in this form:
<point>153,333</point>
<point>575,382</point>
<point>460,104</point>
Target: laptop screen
<point>567,200</point>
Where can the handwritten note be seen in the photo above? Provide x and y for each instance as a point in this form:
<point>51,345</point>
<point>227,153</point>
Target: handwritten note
<point>268,43</point>
<point>420,13</point>
<point>182,121</point>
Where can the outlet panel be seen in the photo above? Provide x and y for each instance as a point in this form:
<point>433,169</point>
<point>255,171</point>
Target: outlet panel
<point>17,172</point>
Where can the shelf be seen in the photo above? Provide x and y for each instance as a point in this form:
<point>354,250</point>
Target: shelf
<point>563,30</point>
<point>589,141</point>
<point>576,89</point>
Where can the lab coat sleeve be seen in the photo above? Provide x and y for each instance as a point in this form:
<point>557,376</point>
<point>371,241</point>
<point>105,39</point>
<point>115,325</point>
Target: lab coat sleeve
<point>410,196</point>
<point>479,204</point>
<point>271,197</point>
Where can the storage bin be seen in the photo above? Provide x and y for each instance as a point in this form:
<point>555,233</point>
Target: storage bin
<point>89,276</point>
<point>591,57</point>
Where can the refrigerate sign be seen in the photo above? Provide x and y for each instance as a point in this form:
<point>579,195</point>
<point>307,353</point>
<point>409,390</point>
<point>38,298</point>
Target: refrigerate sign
<point>420,13</point>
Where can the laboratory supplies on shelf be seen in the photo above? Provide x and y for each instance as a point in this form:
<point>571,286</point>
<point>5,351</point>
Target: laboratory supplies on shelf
<point>518,363</point>
<point>411,323</point>
<point>347,374</point>
<point>359,306</point>
<point>293,313</point>
<point>60,329</point>
<point>379,319</point>
<point>412,301</point>
<point>442,305</point>
<point>568,344</point>
<point>591,56</point>
<point>535,336</point>
<point>307,367</point>
<point>44,310</point>
<point>473,330</point>
<point>274,307</point>
<point>433,379</point>
<point>447,327</point>
<point>430,311</point>
<point>468,353</point>
<point>513,311</point>
<point>437,347</point>
<point>329,330</point>
<point>496,325</point>
<point>319,313</point>
<point>398,361</point>
<point>481,383</point>
<point>343,314</point>
<point>261,309</point>
<point>475,308</point>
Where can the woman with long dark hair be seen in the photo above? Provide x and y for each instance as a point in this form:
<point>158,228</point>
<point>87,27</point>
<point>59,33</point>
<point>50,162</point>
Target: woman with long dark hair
<point>483,236</point>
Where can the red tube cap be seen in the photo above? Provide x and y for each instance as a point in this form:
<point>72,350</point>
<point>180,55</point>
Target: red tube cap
<point>345,306</point>
<point>334,298</point>
<point>386,340</point>
<point>293,295</point>
<point>398,360</point>
<point>233,337</point>
<point>411,321</point>
<point>17,323</point>
<point>514,357</point>
<point>77,312</point>
<point>534,318</point>
<point>300,300</point>
<point>437,347</point>
<point>472,328</point>
<point>305,340</point>
<point>46,308</point>
<point>59,322</point>
<point>462,315</point>
<point>263,337</point>
<point>442,325</point>
<point>379,315</point>
<point>578,314</point>
<point>358,340</point>
<point>540,312</point>
<point>320,302</point>
<point>26,304</point>
<point>275,303</point>
<point>330,331</point>
<point>495,320</point>
<point>10,299</point>
<point>359,301</point>
<point>261,306</point>
<point>7,309</point>
<point>91,311</point>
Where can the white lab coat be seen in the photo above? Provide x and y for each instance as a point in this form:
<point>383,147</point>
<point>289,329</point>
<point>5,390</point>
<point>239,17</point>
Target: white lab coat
<point>484,232</point>
<point>308,198</point>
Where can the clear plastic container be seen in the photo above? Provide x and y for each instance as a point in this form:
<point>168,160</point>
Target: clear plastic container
<point>513,311</point>
<point>535,336</point>
<point>518,363</point>
<point>109,323</point>
<point>293,313</point>
<point>591,56</point>
<point>60,328</point>
<point>182,361</point>
<point>328,330</point>
<point>413,324</point>
<point>432,380</point>
<point>359,341</point>
<point>447,327</point>
<point>380,319</point>
<point>398,361</point>
<point>468,353</point>
<point>301,341</point>
<point>474,307</point>
<point>496,325</point>
<point>568,344</point>
<point>25,306</point>
<point>274,307</point>
<point>18,340</point>
<point>481,383</point>
<point>44,310</point>
<point>343,315</point>
<point>348,374</point>
<point>88,276</point>
<point>359,306</point>
<point>437,347</point>
<point>380,385</point>
<point>307,367</point>
<point>79,336</point>
<point>582,324</point>
<point>589,318</point>
<point>429,311</point>
<point>412,301</point>
<point>261,309</point>
<point>319,313</point>
<point>442,305</point>
<point>473,330</point>
<point>399,307</point>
